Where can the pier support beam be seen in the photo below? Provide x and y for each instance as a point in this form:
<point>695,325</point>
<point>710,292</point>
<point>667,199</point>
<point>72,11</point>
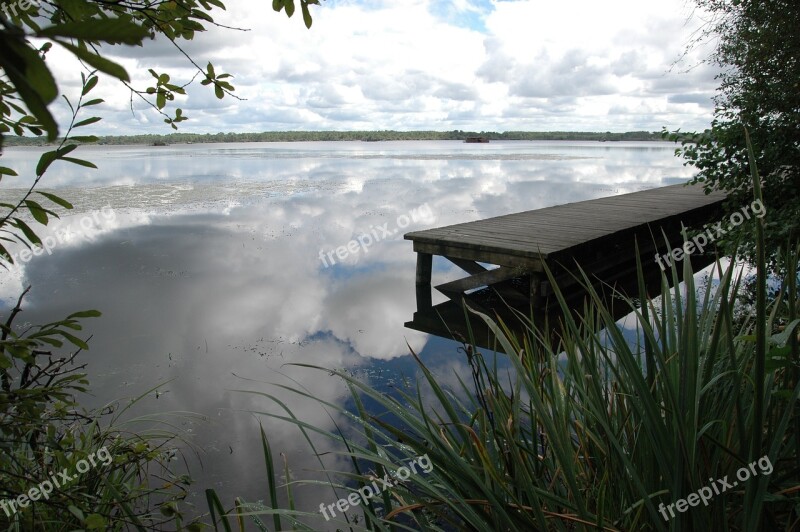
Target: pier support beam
<point>424,270</point>
<point>537,285</point>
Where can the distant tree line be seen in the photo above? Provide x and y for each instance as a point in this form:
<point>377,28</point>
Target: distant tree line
<point>296,136</point>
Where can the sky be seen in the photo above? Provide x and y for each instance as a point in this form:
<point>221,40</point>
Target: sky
<point>478,65</point>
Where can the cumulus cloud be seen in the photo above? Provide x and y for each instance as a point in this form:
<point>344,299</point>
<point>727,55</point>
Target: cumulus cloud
<point>698,98</point>
<point>430,64</point>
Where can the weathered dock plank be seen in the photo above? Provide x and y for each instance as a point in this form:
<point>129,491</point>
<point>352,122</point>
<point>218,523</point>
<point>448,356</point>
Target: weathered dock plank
<point>563,228</point>
<point>601,235</point>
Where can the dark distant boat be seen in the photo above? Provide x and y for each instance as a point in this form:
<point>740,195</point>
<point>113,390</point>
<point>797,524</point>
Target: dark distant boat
<point>476,140</point>
<point>160,143</point>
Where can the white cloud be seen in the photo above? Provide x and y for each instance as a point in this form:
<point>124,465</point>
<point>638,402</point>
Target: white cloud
<point>431,64</point>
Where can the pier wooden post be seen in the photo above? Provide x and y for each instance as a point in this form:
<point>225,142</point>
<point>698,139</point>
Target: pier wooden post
<point>424,269</point>
<point>534,293</point>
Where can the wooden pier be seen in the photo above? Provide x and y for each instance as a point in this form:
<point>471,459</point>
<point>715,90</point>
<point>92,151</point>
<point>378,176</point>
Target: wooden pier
<point>600,235</point>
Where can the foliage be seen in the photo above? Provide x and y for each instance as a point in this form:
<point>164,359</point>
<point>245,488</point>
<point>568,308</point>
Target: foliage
<point>758,50</point>
<point>597,431</point>
<point>590,443</point>
<point>83,28</point>
<point>43,429</point>
<point>28,88</point>
<point>14,228</point>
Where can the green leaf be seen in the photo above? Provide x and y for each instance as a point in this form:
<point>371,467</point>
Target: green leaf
<point>89,85</point>
<point>781,338</point>
<point>6,256</point>
<point>81,162</point>
<point>100,63</point>
<point>289,5</point>
<point>219,92</point>
<point>88,121</point>
<point>306,14</point>
<point>95,522</point>
<point>777,358</point>
<point>110,30</point>
<point>31,78</point>
<point>93,102</point>
<point>7,171</point>
<point>161,99</point>
<point>74,340</point>
<point>36,210</point>
<point>15,107</point>
<point>47,158</point>
<point>69,103</point>
<point>74,510</point>
<point>51,341</point>
<point>55,199</point>
<point>84,138</point>
<point>210,69</point>
<point>215,506</point>
<point>39,76</point>
<point>85,314</point>
<point>27,231</point>
<point>203,16</point>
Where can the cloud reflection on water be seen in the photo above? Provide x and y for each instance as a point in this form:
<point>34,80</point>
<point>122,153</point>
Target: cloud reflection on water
<point>220,281</point>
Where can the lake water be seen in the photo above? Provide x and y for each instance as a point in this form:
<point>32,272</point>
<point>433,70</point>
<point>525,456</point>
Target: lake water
<point>216,264</point>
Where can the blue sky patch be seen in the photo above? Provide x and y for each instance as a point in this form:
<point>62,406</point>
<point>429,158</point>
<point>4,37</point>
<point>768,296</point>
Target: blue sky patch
<point>470,14</point>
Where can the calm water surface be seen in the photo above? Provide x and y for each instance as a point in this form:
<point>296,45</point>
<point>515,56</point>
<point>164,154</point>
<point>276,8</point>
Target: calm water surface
<point>206,265</point>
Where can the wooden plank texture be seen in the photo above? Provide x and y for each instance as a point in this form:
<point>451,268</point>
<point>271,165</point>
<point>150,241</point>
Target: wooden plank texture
<point>569,229</point>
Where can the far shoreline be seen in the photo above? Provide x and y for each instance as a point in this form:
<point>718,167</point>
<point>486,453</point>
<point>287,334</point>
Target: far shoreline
<point>334,136</point>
